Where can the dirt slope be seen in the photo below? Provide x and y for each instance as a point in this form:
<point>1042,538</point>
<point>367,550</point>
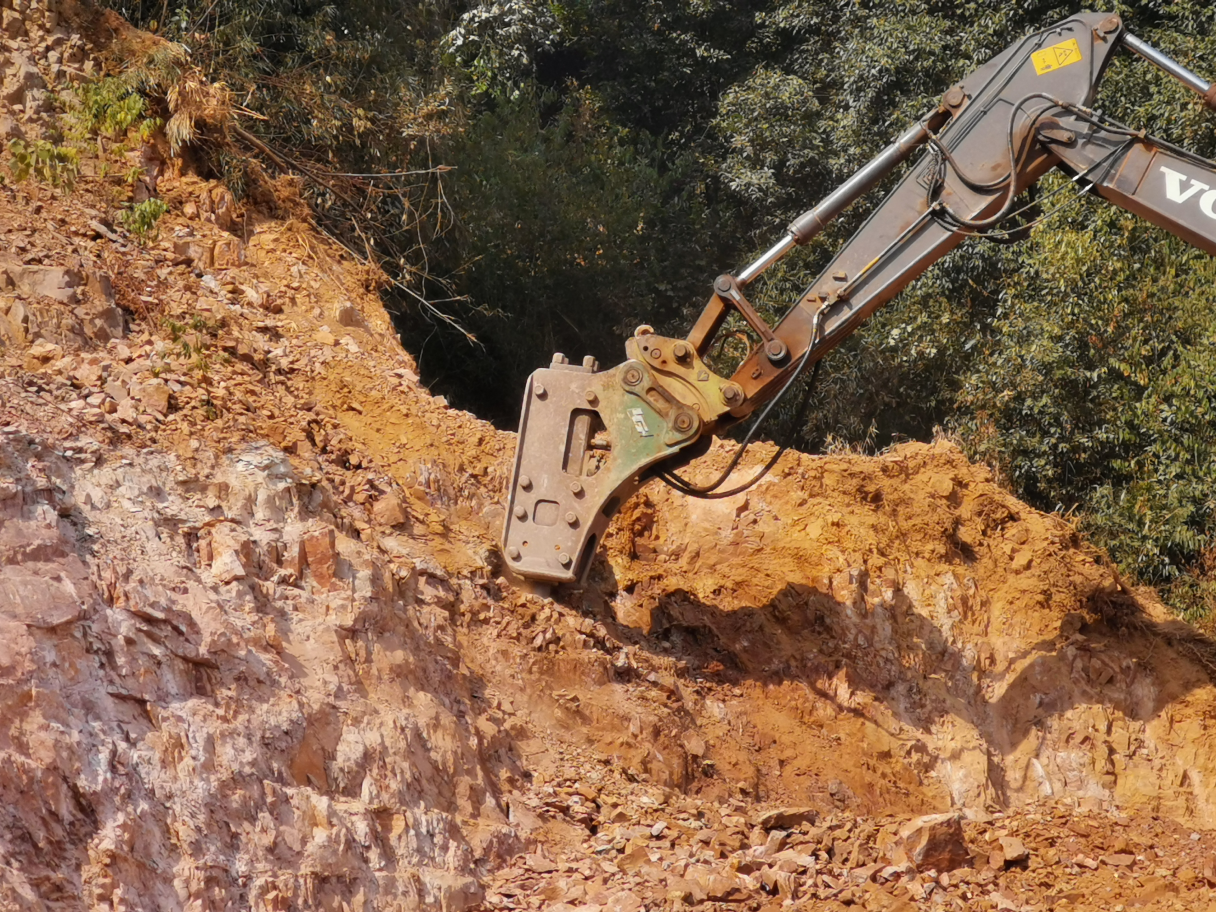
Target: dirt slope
<point>257,652</point>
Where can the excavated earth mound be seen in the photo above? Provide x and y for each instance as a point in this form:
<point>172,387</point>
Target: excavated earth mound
<point>257,650</point>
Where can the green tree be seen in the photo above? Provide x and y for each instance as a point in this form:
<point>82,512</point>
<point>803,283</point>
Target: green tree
<point>571,233</point>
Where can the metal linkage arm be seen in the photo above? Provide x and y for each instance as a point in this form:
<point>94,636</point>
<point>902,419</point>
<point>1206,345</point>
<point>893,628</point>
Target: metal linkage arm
<point>804,228</point>
<point>728,290</point>
<point>992,147</point>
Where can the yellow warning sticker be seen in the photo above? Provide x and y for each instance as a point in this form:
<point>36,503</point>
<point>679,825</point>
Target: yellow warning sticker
<point>1059,55</point>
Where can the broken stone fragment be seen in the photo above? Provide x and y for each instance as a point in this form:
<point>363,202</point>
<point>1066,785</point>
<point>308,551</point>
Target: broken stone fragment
<point>232,551</point>
<point>792,860</point>
<point>15,327</point>
<point>320,551</point>
<point>693,743</point>
<point>941,485</point>
<point>55,282</point>
<point>389,511</point>
<point>840,793</point>
<point>196,251</point>
<point>725,888</point>
<point>153,395</point>
<point>788,818</point>
<point>932,842</point>
<point>23,78</point>
<point>539,864</point>
<point>40,354</point>
<point>42,583</point>
<point>228,253</point>
<point>348,315</point>
<point>100,286</point>
<point>126,411</point>
<point>227,567</point>
<point>1013,849</point>
<point>10,129</point>
<point>218,206</point>
<point>624,902</point>
<point>294,559</point>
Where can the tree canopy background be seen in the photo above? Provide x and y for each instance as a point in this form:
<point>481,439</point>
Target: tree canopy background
<point>608,159</point>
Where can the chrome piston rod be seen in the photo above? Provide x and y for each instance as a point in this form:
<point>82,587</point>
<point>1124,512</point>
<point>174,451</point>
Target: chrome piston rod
<point>810,223</point>
<point>1167,63</point>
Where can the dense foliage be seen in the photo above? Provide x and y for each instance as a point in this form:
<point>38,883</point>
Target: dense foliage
<point>610,158</point>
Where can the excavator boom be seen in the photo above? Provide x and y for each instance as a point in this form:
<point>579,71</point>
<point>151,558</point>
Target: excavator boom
<point>588,439</point>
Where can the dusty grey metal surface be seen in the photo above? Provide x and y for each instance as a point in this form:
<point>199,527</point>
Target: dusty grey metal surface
<point>1174,191</point>
<point>585,439</point>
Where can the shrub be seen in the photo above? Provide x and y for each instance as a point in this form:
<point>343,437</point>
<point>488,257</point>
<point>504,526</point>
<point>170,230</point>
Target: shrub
<point>141,219</point>
<point>44,161</point>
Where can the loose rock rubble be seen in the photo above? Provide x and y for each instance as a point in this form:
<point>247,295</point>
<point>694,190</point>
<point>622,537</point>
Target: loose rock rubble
<point>259,649</point>
<point>707,856</point>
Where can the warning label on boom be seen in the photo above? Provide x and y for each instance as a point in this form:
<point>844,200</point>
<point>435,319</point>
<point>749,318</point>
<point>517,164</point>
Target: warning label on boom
<point>1059,55</point>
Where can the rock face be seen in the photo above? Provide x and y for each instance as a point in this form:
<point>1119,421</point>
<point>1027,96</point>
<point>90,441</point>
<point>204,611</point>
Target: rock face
<point>277,733</point>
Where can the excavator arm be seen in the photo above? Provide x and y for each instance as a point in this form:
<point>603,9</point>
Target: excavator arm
<point>588,439</point>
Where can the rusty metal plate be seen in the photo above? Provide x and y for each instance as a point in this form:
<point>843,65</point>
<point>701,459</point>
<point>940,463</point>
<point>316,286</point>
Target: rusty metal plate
<point>584,440</point>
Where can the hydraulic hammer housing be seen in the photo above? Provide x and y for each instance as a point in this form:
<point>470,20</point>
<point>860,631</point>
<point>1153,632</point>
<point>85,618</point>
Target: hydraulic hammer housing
<point>587,437</point>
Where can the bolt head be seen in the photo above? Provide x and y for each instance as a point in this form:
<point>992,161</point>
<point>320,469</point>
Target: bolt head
<point>656,354</point>
<point>540,391</point>
<point>559,358</point>
<point>681,350</point>
<point>576,488</point>
<point>722,284</point>
<point>954,96</point>
<point>776,350</point>
<point>591,397</point>
<point>564,559</point>
<point>683,421</point>
<point>633,376</point>
<point>521,512</point>
<point>571,519</point>
<point>525,482</point>
<point>514,554</point>
<point>731,393</point>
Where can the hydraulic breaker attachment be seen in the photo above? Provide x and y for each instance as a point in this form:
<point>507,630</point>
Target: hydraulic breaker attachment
<point>586,439</point>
